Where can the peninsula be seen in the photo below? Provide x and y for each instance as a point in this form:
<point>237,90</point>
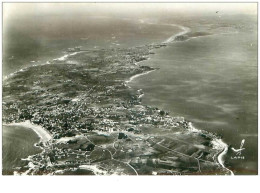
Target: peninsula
<point>98,124</point>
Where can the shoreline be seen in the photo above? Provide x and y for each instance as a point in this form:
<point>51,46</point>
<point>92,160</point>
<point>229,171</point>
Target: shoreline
<point>217,143</point>
<point>137,75</point>
<point>62,58</point>
<point>46,136</point>
<point>220,144</point>
<point>43,134</point>
<point>185,30</point>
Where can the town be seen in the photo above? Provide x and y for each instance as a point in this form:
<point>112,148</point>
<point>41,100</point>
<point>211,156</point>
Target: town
<point>98,124</point>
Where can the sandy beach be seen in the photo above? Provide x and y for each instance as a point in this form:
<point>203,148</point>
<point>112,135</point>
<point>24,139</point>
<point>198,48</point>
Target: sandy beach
<point>40,131</point>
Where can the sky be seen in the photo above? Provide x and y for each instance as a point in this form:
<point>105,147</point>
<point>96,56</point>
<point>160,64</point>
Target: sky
<point>17,9</point>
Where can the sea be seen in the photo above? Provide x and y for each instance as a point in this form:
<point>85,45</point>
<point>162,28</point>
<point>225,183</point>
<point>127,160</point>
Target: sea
<point>209,80</point>
<point>18,143</point>
<point>212,82</point>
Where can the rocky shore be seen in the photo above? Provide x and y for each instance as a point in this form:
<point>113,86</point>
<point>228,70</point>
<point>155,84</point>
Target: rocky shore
<point>99,125</point>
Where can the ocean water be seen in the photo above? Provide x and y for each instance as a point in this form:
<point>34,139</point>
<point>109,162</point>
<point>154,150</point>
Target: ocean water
<point>31,41</point>
<point>212,82</point>
<point>18,143</point>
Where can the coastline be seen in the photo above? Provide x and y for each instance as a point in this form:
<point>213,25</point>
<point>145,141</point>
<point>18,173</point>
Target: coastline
<point>62,58</point>
<point>185,30</point>
<point>137,75</point>
<point>45,136</point>
<point>218,143</point>
<point>39,130</point>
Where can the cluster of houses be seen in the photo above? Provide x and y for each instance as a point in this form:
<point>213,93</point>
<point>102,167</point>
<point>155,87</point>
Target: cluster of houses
<point>107,105</point>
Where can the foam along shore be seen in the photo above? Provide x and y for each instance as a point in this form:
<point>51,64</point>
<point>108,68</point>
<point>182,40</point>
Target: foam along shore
<point>62,58</point>
<point>137,75</point>
<point>219,145</point>
<point>223,147</point>
<point>184,31</point>
<point>170,39</point>
<point>40,131</point>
